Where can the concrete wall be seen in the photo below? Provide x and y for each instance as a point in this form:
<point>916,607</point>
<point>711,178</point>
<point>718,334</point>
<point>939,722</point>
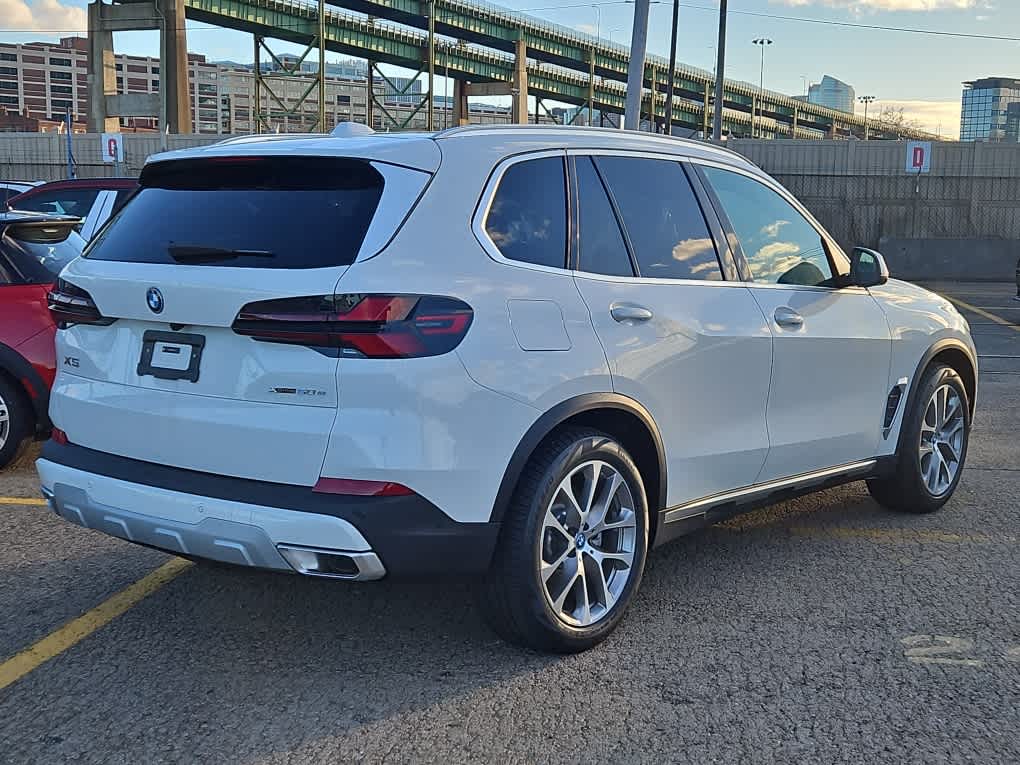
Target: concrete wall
<point>969,260</point>
<point>43,156</point>
<point>962,220</point>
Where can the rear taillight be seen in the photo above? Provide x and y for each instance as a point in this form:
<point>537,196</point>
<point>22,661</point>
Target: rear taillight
<point>69,305</point>
<point>369,326</point>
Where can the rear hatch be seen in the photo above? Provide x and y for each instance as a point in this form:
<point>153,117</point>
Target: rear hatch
<point>150,366</point>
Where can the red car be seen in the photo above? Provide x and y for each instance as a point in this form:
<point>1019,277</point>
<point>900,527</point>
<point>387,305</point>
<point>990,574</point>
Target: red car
<point>34,248</point>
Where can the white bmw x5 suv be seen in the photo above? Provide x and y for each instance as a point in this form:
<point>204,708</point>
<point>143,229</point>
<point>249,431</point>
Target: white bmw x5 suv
<point>527,354</point>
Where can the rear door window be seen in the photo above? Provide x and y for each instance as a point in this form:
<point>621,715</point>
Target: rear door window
<point>527,220</point>
<point>253,212</point>
<point>663,218</point>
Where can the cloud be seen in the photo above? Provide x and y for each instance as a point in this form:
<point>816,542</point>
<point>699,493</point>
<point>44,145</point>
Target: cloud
<point>891,5</point>
<point>41,15</point>
<point>935,116</point>
<point>588,29</point>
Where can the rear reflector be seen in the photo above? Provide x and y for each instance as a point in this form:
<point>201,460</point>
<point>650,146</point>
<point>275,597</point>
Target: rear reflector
<point>361,488</point>
<point>59,437</point>
<point>366,326</point>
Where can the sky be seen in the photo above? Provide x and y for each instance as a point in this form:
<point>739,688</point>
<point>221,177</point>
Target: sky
<point>922,73</point>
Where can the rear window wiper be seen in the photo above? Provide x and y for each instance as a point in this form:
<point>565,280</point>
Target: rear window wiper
<point>183,253</point>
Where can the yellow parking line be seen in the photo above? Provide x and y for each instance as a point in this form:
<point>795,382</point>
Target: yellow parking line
<point>983,312</point>
<point>78,629</point>
<point>22,501</point>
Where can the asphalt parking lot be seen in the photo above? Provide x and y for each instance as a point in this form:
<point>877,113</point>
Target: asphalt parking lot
<point>819,630</point>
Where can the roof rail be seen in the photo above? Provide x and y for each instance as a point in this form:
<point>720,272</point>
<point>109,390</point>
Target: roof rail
<point>590,129</point>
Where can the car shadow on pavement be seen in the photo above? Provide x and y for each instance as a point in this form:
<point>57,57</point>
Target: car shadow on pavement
<point>229,665</point>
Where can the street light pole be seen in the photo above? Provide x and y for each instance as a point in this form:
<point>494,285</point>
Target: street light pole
<point>867,101</point>
<point>763,43</point>
<point>672,70</point>
<point>720,72</point>
<point>636,67</point>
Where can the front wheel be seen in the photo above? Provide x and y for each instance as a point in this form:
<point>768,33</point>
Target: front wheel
<point>572,548</point>
<point>933,446</point>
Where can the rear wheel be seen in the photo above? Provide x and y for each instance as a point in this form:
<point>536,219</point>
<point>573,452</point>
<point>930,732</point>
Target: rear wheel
<point>933,447</point>
<point>572,547</point>
<point>16,421</point>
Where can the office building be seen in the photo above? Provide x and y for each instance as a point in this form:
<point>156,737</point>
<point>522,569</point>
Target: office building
<point>989,110</point>
<point>833,94</point>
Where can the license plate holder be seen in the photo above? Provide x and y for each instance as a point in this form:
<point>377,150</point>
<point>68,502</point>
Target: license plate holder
<point>171,355</point>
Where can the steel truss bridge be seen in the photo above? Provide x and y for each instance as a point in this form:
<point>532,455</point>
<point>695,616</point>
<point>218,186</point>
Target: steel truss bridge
<point>482,45</point>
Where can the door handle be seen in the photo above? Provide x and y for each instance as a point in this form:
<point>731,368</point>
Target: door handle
<point>787,317</point>
<point>629,312</point>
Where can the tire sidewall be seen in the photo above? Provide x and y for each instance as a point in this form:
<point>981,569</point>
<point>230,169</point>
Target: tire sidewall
<point>588,448</point>
<point>935,379</point>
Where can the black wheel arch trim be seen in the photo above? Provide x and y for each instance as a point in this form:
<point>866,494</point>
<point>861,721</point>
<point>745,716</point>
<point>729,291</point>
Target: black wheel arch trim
<point>915,382</point>
<point>18,368</point>
<point>555,417</point>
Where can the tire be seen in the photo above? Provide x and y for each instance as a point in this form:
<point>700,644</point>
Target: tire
<point>542,529</point>
<point>17,421</point>
<point>911,487</point>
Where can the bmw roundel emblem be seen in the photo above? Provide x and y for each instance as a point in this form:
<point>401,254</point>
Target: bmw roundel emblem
<point>155,300</point>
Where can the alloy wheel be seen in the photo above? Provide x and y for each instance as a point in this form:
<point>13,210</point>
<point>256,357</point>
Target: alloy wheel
<point>5,423</point>
<point>942,440</point>
<point>587,543</point>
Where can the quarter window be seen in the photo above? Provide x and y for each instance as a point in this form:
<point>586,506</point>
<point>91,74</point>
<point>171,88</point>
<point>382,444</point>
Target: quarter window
<point>664,222</point>
<point>602,248</point>
<point>528,217</point>
<point>780,245</point>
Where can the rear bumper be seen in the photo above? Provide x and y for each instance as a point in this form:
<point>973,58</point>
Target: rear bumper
<point>249,522</point>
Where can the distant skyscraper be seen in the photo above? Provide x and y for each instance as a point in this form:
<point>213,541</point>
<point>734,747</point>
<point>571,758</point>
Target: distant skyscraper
<point>833,94</point>
<point>990,110</point>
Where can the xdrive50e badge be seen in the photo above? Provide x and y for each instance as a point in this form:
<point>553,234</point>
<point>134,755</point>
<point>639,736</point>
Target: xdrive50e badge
<point>154,298</point>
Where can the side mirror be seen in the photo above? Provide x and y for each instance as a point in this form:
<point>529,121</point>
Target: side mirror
<point>867,268</point>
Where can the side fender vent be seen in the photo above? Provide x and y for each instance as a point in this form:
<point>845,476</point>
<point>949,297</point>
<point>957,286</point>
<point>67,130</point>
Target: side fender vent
<point>892,405</point>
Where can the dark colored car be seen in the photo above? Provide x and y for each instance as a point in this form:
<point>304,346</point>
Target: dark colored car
<point>33,249</point>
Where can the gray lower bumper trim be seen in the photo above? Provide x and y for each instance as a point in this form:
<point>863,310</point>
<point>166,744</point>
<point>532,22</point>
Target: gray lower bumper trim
<point>216,539</point>
<point>213,538</point>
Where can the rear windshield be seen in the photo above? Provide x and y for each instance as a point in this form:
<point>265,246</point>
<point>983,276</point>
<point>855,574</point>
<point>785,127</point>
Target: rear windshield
<point>38,256</point>
<point>252,212</point>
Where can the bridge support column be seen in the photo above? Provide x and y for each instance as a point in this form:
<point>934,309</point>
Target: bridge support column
<point>173,72</point>
<point>460,103</point>
<point>173,103</point>
<point>519,91</point>
<point>102,73</point>
<point>796,119</point>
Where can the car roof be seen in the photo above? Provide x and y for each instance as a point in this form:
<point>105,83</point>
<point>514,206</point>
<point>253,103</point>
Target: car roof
<point>85,183</point>
<point>422,150</point>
